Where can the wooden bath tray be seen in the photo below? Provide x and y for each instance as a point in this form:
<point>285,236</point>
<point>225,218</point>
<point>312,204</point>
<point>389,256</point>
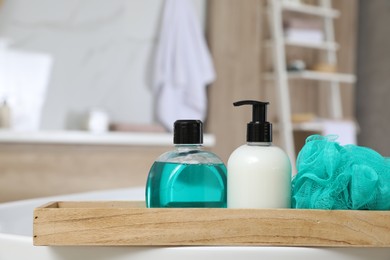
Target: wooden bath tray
<point>131,224</point>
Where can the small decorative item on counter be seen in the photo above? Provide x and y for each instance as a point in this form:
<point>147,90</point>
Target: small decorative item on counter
<point>303,117</point>
<point>324,67</point>
<point>5,115</point>
<point>187,177</point>
<point>143,128</point>
<point>296,65</point>
<point>97,121</point>
<point>332,176</point>
<point>259,173</point>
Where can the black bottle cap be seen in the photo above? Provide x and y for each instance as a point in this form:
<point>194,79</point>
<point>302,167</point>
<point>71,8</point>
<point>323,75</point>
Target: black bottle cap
<point>259,130</point>
<point>188,132</point>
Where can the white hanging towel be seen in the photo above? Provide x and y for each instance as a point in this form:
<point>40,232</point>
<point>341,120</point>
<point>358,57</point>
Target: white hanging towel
<point>183,66</point>
<point>345,130</point>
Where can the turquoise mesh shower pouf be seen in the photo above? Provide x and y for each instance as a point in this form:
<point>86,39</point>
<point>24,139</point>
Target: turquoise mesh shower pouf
<point>332,176</point>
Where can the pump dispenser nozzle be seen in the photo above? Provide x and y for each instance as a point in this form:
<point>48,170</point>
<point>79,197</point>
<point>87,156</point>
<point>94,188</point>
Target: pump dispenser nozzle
<point>259,130</point>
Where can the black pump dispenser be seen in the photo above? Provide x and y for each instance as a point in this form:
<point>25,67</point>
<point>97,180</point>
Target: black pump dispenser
<point>259,130</point>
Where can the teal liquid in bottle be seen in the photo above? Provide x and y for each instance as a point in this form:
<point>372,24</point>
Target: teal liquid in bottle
<point>187,185</point>
<point>187,177</point>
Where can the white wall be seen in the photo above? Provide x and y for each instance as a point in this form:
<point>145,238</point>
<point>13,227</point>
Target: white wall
<point>102,53</point>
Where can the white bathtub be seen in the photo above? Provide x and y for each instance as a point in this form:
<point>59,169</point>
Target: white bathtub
<point>16,240</point>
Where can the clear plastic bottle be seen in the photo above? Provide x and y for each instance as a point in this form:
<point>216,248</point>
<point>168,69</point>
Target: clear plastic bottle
<point>187,177</point>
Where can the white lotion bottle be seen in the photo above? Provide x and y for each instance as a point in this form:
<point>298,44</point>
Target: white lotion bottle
<point>258,173</point>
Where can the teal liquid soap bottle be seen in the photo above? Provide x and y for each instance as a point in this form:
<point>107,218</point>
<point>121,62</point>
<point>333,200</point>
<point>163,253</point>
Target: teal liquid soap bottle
<point>187,177</point>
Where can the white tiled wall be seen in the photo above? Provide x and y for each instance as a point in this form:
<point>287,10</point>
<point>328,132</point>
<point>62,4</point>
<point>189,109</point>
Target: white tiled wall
<point>101,49</point>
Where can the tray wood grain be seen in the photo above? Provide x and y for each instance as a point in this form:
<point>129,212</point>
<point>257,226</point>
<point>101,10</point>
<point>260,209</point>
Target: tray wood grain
<point>119,223</point>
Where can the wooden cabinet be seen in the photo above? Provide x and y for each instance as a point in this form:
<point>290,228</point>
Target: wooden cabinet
<point>39,170</point>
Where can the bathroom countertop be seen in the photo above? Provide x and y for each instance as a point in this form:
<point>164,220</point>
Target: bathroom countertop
<point>83,137</point>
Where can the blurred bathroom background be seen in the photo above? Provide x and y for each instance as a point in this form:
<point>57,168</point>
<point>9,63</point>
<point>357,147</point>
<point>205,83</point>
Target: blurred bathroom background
<point>79,107</point>
<point>93,55</point>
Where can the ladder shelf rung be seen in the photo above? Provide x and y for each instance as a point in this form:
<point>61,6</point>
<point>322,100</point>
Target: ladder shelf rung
<point>316,75</point>
<point>331,46</point>
<point>310,10</point>
<point>308,126</point>
<point>322,76</point>
<point>312,126</point>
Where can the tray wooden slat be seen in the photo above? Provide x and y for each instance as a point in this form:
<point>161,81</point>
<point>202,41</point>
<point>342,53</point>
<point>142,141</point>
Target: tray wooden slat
<point>131,224</point>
